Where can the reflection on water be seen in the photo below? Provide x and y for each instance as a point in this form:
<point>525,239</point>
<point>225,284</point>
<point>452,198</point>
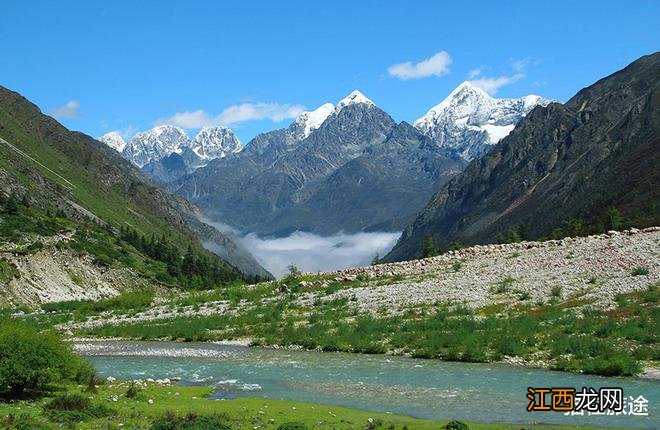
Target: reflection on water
<point>421,388</point>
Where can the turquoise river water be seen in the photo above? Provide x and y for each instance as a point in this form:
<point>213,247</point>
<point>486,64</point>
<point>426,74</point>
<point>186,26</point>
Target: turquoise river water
<point>415,387</point>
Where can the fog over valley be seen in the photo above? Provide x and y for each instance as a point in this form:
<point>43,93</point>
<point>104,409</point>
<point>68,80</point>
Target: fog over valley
<point>313,253</point>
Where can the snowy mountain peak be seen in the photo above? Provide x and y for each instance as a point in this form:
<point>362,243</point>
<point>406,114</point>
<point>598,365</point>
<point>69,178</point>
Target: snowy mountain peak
<point>353,98</point>
<point>156,144</point>
<point>465,98</point>
<point>215,142</point>
<point>310,121</point>
<point>470,121</point>
<point>113,140</point>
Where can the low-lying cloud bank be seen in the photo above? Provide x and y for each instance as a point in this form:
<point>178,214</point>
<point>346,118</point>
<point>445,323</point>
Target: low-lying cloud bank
<point>312,253</point>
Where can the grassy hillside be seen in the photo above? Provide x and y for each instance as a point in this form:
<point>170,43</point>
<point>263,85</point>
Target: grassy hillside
<point>56,180</point>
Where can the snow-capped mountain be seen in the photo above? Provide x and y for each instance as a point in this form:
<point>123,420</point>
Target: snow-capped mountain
<point>114,141</point>
<point>160,142</point>
<point>307,122</point>
<point>353,98</point>
<point>155,144</point>
<point>310,121</point>
<point>215,142</point>
<point>471,121</point>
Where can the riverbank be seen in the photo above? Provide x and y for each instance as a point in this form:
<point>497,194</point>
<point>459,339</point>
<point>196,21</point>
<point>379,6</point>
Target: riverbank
<point>85,346</point>
<point>152,401</point>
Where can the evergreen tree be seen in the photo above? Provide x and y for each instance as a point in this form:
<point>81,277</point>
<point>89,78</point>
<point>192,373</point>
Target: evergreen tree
<point>11,206</point>
<point>614,219</point>
<point>429,248</point>
<point>188,267</point>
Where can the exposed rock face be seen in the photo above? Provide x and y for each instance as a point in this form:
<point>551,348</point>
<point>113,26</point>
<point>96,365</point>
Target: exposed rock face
<point>351,172</point>
<point>53,275</point>
<point>599,150</point>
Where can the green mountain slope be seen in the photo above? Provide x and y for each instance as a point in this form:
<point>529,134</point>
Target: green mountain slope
<point>52,170</point>
<point>590,164</point>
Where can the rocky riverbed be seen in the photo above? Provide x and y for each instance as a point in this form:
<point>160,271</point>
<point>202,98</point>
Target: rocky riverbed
<point>590,270</point>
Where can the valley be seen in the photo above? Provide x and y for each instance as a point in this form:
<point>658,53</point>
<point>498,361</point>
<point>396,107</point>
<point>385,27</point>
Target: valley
<point>338,268</point>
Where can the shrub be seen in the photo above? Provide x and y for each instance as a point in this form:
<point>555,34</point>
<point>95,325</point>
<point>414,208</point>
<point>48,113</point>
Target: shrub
<point>457,266</point>
<point>31,361</point>
<point>503,285</point>
<point>74,408</point>
<point>615,365</point>
<point>132,391</point>
<point>170,421</point>
<point>640,271</point>
<point>22,422</point>
<point>456,425</point>
<point>7,271</point>
<point>621,300</point>
<point>293,426</point>
<point>556,291</point>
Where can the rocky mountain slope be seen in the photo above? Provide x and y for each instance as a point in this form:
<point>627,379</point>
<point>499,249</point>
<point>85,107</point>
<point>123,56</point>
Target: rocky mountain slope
<point>470,121</point>
<point>346,168</point>
<point>561,162</point>
<point>97,195</point>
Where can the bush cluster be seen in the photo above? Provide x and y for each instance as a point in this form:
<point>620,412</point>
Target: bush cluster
<point>31,363</point>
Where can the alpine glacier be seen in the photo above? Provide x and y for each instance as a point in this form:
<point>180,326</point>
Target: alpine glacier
<point>470,121</point>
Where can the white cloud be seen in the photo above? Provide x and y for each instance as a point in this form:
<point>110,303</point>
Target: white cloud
<point>69,110</point>
<point>233,114</point>
<point>312,253</point>
<point>474,73</point>
<point>520,65</point>
<point>493,85</point>
<point>437,65</point>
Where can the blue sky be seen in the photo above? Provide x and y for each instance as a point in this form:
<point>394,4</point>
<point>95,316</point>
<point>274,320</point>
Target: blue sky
<point>127,65</point>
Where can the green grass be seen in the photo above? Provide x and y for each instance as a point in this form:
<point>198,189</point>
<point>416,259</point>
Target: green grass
<point>135,413</point>
<point>128,301</point>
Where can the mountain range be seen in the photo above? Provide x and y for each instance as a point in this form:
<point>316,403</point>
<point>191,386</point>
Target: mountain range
<point>349,171</point>
<point>330,169</point>
<point>563,163</point>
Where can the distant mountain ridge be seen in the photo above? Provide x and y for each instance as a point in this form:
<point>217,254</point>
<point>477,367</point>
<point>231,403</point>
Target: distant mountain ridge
<point>166,152</point>
<point>566,161</point>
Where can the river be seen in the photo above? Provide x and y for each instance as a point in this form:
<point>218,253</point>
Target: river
<point>415,387</point>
